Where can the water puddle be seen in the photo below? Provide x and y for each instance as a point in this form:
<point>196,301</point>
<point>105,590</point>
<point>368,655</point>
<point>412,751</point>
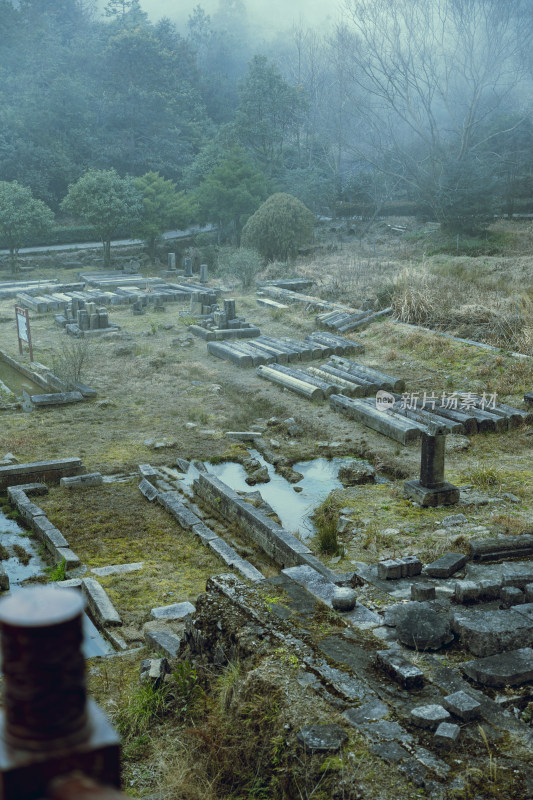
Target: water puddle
<point>17,382</point>
<point>320,477</point>
<point>13,537</point>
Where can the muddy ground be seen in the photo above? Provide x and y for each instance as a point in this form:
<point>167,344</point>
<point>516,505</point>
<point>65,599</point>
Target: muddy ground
<point>156,383</point>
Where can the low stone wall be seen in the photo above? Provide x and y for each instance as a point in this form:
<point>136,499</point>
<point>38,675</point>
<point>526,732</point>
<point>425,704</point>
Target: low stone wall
<point>33,376</point>
<point>284,548</point>
<point>49,536</point>
<point>40,472</point>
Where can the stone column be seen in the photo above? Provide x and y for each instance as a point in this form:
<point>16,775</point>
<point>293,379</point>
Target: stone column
<point>172,260</point>
<point>432,489</point>
<point>48,725</point>
<point>432,460</point>
<point>229,309</point>
<point>203,273</point>
<point>187,267</point>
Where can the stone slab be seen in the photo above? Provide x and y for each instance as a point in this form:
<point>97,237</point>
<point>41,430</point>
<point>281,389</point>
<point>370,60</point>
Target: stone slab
<point>40,471</point>
<point>204,533</point>
<point>30,489</point>
<point>446,565</point>
<point>171,502</point>
<point>117,569</point>
<point>422,591</point>
<point>462,705</point>
<point>445,495</point>
<point>173,611</point>
<point>486,633</point>
<point>446,735</point>
<point>56,398</point>
<point>80,481</point>
<point>505,669</point>
<point>429,717</point>
<point>148,490</point>
<point>163,642</point>
<point>248,570</point>
<point>99,603</point>
<point>65,553</point>
<point>322,738</point>
<point>224,550</point>
<point>408,675</point>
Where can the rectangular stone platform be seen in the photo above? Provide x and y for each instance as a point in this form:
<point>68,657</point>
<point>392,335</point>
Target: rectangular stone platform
<point>40,471</point>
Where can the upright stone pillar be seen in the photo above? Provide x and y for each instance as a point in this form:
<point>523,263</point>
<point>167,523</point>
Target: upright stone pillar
<point>432,489</point>
<point>203,273</point>
<point>187,267</point>
<point>229,309</point>
<point>172,260</point>
<point>48,728</point>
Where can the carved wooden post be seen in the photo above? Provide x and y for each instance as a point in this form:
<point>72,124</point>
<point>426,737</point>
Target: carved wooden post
<point>48,728</point>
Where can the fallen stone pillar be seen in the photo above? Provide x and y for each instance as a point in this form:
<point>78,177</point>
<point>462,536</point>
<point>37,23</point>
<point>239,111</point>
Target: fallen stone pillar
<point>432,489</point>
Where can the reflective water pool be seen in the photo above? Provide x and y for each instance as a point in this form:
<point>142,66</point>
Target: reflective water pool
<point>293,508</point>
<point>11,537</point>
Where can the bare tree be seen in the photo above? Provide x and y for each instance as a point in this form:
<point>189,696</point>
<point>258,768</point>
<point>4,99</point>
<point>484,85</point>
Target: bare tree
<point>434,74</point>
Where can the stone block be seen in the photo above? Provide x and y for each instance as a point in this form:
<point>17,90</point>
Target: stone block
<point>411,566</point>
<point>512,596</point>
<point>56,398</point>
<point>248,570</point>
<point>444,495</point>
<point>422,591</point>
<point>99,603</point>
<point>153,670</point>
<point>171,502</point>
<point>529,593</point>
<point>117,569</point>
<point>81,481</point>
<point>505,669</point>
<point>322,738</point>
<point>163,642</point>
<point>204,533</point>
<point>29,489</point>
<point>223,549</point>
<point>489,589</point>
<point>422,627</point>
<point>446,735</point>
<point>343,599</point>
<point>430,716</point>
<point>4,580</point>
<point>28,510</point>
<point>71,559</point>
<point>174,611</point>
<point>462,705</point>
<point>517,579</point>
<point>148,490</point>
<point>389,569</point>
<point>49,535</point>
<point>147,472</point>
<point>400,669</point>
<point>446,565</point>
<point>45,471</point>
<point>485,633</point>
<point>465,591</point>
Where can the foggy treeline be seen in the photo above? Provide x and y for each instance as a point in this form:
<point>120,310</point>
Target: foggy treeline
<point>406,105</point>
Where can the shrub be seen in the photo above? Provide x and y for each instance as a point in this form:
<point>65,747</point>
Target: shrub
<point>279,227</point>
<point>244,263</point>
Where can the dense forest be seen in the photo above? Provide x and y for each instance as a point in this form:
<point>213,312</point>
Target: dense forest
<point>405,106</point>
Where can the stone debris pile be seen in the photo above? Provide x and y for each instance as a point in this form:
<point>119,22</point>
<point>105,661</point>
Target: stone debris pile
<point>221,324</point>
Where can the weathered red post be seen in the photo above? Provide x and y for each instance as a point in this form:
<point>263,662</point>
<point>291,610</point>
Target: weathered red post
<point>49,728</point>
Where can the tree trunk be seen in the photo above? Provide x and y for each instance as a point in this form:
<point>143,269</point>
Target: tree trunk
<point>13,259</point>
<point>107,252</point>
